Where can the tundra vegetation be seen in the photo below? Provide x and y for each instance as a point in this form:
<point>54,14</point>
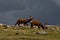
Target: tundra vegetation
<point>27,33</point>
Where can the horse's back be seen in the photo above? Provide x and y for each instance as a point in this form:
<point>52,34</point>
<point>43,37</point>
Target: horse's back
<point>22,20</point>
<point>37,22</point>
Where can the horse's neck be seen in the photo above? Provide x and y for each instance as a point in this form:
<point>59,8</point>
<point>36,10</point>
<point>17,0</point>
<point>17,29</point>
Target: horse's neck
<point>29,20</point>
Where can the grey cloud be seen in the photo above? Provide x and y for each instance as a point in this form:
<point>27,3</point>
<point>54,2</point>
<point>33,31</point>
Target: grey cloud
<point>11,10</point>
<point>12,5</point>
<point>57,2</point>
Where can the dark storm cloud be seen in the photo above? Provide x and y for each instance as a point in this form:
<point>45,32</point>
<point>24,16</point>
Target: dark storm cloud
<point>57,2</point>
<point>11,4</point>
<point>11,10</point>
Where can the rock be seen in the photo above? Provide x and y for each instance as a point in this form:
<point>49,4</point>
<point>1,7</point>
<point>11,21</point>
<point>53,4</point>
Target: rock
<point>42,32</point>
<point>16,33</point>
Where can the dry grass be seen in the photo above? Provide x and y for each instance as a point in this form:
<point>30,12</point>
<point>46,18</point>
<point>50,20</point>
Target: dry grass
<point>25,33</point>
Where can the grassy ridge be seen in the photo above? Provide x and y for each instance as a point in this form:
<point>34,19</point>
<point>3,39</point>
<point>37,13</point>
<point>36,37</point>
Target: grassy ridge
<point>25,33</point>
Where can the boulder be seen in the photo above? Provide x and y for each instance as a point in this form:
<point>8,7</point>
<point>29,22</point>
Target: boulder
<point>42,32</point>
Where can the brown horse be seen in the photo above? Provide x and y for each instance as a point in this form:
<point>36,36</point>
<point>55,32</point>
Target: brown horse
<point>23,21</point>
<point>37,23</point>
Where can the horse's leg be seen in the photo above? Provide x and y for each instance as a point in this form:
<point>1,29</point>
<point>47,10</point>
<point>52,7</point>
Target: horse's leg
<point>39,27</point>
<point>16,23</point>
<point>31,25</point>
<point>26,24</point>
<point>42,26</point>
<point>19,24</point>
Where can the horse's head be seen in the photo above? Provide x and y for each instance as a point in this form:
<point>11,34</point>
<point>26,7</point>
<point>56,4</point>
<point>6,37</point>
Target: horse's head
<point>31,17</point>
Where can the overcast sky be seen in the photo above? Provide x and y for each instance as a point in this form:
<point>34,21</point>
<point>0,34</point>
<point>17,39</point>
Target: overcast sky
<point>11,10</point>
